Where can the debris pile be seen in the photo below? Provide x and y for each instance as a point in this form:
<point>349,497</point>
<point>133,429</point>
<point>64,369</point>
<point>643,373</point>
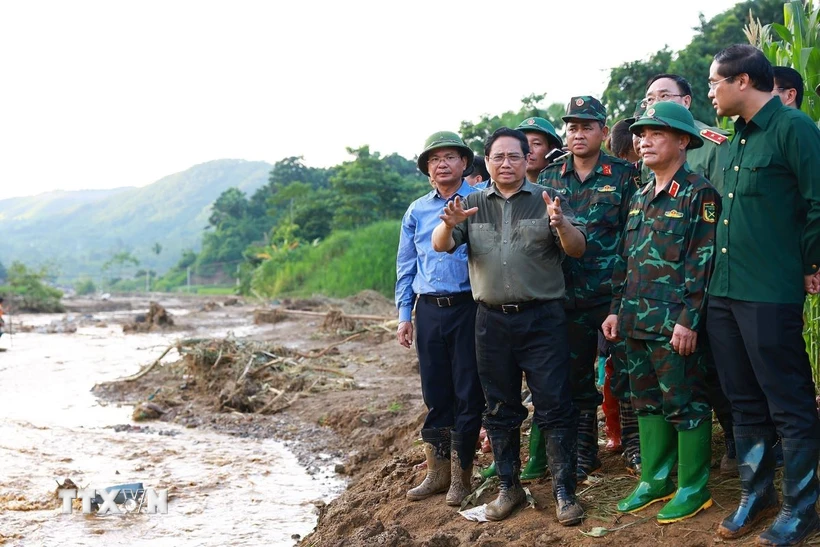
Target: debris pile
<point>156,318</point>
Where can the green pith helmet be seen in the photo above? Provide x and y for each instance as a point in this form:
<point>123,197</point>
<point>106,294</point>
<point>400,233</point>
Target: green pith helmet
<point>585,107</point>
<point>541,125</point>
<point>444,139</point>
<point>640,108</point>
<point>672,116</point>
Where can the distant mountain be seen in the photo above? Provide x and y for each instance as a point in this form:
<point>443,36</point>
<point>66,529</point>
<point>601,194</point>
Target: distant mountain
<point>79,231</point>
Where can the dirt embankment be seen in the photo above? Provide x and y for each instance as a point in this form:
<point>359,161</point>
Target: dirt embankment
<point>345,387</point>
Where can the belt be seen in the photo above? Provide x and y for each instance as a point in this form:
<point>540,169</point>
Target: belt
<point>515,307</point>
<point>447,300</point>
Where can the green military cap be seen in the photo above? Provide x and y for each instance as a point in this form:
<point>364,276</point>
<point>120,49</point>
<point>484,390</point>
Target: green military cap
<point>541,125</point>
<point>640,108</point>
<point>585,108</point>
<point>673,116</point>
<point>444,139</point>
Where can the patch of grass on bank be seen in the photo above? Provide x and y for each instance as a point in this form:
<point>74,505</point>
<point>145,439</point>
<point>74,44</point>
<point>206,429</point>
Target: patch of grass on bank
<point>343,264</point>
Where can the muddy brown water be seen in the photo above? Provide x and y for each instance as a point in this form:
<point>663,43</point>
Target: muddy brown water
<point>223,490</point>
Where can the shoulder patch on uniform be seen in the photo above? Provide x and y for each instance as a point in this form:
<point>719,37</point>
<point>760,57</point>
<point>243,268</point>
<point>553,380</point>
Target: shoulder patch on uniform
<point>709,212</point>
<point>563,169</point>
<point>674,213</point>
<point>716,138</point>
<point>607,188</point>
<point>674,188</point>
<point>606,169</point>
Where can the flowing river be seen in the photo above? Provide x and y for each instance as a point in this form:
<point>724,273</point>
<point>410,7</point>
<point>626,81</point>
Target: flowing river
<point>223,490</point>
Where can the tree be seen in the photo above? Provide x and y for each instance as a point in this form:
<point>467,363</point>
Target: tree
<point>627,82</point>
<point>28,285</point>
<point>367,189</point>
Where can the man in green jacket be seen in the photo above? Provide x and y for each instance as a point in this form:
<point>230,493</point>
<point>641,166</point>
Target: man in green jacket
<point>768,251</point>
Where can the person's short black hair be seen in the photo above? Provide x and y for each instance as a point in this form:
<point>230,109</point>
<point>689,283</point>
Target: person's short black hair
<point>620,139</point>
<point>746,59</point>
<point>683,84</point>
<point>480,168</point>
<point>507,132</point>
<point>788,78</point>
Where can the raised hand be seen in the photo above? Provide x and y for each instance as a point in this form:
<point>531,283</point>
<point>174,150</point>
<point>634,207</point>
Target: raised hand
<point>554,210</point>
<point>454,213</point>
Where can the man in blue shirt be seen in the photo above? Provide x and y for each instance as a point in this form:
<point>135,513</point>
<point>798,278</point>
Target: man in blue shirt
<point>439,286</point>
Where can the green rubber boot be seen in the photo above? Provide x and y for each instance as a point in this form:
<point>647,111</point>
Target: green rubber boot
<point>488,471</point>
<point>537,464</point>
<point>694,458</point>
<point>659,452</point>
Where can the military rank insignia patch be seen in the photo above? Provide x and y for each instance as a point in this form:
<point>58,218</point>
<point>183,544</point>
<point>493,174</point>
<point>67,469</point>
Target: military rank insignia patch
<point>634,212</point>
<point>563,169</point>
<point>607,188</point>
<point>674,213</point>
<point>674,188</point>
<point>716,138</point>
<point>607,169</point>
<point>709,212</point>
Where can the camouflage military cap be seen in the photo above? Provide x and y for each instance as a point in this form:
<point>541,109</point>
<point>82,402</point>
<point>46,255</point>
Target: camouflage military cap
<point>585,108</point>
<point>444,139</point>
<point>541,125</point>
<point>640,108</point>
<point>671,116</point>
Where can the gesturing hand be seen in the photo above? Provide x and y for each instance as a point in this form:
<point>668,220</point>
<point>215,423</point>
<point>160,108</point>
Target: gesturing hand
<point>554,210</point>
<point>454,213</point>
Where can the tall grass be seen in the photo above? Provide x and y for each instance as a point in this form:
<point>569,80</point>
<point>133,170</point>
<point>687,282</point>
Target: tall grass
<point>345,263</point>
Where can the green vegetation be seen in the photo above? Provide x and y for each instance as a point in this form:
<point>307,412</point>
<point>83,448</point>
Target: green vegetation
<point>85,287</point>
<point>29,291</point>
<point>343,264</point>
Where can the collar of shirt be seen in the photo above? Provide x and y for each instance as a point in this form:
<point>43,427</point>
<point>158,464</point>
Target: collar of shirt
<point>763,116</point>
<point>462,192</point>
<point>528,187</point>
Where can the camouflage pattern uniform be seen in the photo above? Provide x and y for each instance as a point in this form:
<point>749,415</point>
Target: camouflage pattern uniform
<point>660,279</point>
<point>601,201</point>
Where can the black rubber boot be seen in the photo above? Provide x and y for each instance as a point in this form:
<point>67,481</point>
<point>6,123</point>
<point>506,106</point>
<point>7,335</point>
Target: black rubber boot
<point>630,439</point>
<point>462,452</point>
<point>758,497</point>
<point>437,452</point>
<point>588,461</point>
<point>562,460</point>
<point>798,515</point>
<point>507,456</point>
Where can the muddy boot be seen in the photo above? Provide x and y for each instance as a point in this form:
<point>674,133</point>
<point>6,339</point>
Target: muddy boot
<point>461,467</point>
<point>798,515</point>
<point>694,455</point>
<point>506,451</point>
<point>758,497</point>
<point>537,464</point>
<point>561,453</point>
<point>612,414</point>
<point>659,453</point>
<point>588,461</point>
<point>437,451</point>
<point>630,440</point>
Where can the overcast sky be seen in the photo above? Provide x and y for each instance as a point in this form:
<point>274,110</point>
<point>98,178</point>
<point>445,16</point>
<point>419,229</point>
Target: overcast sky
<point>115,93</point>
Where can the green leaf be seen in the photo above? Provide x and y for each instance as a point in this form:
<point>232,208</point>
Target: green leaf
<point>784,33</point>
<point>597,532</point>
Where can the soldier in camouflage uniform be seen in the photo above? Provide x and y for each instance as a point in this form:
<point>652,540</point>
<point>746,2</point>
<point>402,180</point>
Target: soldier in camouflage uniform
<point>598,187</point>
<point>659,296</point>
<point>709,160</point>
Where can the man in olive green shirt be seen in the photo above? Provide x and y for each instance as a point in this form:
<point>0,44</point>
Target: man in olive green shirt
<point>516,234</point>
<point>767,253</point>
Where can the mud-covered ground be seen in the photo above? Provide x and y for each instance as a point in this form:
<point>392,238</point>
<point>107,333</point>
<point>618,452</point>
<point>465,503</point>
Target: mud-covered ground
<point>372,425</point>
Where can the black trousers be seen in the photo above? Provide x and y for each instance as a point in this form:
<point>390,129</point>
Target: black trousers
<point>534,342</point>
<point>763,365</point>
<point>445,342</point>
